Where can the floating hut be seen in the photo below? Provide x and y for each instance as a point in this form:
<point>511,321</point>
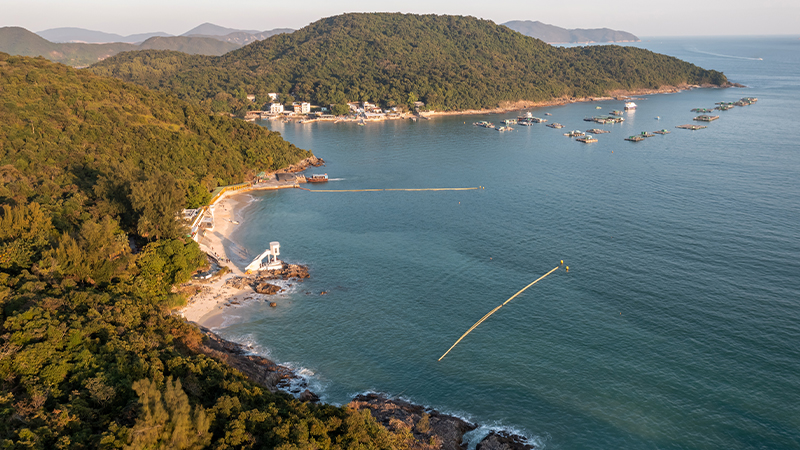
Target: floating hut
<point>706,118</point>
<point>575,133</point>
<point>635,138</point>
<point>661,132</point>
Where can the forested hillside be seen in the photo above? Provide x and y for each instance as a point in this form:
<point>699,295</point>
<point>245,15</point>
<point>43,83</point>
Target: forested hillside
<point>449,62</point>
<point>89,356</point>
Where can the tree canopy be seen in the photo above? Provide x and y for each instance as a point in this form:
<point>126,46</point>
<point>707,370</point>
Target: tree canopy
<point>89,355</point>
<point>448,62</point>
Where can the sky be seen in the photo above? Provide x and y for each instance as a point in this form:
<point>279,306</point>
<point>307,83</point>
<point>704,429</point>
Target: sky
<point>640,17</point>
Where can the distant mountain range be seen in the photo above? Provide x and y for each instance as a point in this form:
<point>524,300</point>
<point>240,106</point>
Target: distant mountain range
<point>81,47</point>
<point>19,41</point>
<point>232,35</point>
<point>557,35</point>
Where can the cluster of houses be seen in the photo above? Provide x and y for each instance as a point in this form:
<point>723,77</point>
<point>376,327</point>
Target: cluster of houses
<point>366,110</point>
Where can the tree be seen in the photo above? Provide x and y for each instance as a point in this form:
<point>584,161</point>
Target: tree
<point>167,423</point>
<point>157,199</point>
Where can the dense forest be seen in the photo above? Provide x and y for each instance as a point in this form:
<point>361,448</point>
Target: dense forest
<point>448,62</point>
<point>89,355</point>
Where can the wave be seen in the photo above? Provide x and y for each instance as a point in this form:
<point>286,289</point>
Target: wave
<point>305,378</point>
<point>474,437</point>
<point>746,58</point>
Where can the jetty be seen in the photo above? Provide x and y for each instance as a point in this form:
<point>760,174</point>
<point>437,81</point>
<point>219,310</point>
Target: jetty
<point>706,118</point>
<point>691,127</point>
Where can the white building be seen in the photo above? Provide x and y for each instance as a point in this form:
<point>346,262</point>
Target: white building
<point>273,96</point>
<point>305,108</point>
<point>275,108</point>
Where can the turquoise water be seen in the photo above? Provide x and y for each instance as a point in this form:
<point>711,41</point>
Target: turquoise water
<point>677,326</point>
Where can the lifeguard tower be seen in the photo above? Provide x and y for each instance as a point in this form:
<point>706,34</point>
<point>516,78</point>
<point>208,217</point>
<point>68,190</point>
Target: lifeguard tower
<point>271,256</point>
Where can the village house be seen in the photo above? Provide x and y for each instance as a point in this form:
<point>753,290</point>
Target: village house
<point>275,108</point>
<point>251,97</point>
<point>301,107</point>
<point>273,96</point>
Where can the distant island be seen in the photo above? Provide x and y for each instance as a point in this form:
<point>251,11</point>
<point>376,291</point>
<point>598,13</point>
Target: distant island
<point>447,63</point>
<point>557,35</point>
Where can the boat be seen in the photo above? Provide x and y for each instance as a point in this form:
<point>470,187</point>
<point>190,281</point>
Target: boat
<point>528,115</point>
<point>484,124</point>
<point>555,125</point>
<point>598,107</point>
<point>630,106</point>
<point>547,114</point>
<point>504,128</point>
<point>317,178</point>
<point>616,113</point>
<point>510,121</point>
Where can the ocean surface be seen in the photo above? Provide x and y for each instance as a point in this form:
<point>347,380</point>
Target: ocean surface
<point>677,325</point>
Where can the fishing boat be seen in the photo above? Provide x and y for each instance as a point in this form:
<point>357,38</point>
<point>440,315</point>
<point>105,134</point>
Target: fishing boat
<point>630,106</point>
<point>484,124</point>
<point>504,128</point>
<point>317,178</point>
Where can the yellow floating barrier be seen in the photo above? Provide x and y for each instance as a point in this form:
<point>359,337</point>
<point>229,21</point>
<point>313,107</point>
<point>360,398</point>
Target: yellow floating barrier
<point>494,310</point>
<point>381,190</point>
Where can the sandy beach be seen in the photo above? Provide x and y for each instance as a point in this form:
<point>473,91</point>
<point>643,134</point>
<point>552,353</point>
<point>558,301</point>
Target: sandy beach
<point>205,307</point>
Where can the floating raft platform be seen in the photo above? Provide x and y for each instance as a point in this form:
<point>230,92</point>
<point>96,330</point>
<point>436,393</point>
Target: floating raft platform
<point>691,127</point>
<point>661,132</point>
<point>724,107</point>
<point>645,134</point>
<point>616,113</point>
<point>597,131</point>
<point>702,110</point>
<point>575,133</point>
<point>555,125</point>
<point>586,139</point>
<point>706,118</point>
<point>635,138</point>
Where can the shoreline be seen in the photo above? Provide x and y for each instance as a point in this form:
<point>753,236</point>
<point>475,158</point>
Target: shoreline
<point>511,106</point>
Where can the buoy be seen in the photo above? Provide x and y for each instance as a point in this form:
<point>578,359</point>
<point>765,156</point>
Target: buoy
<point>562,262</point>
<point>567,268</point>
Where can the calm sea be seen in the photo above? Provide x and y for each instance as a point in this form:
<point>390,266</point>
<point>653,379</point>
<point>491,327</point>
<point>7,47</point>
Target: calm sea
<point>677,325</point>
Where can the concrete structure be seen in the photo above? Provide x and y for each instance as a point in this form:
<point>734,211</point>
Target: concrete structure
<point>271,255</point>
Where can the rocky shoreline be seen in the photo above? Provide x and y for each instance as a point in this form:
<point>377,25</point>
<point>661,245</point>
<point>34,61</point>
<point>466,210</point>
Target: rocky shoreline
<point>430,428</point>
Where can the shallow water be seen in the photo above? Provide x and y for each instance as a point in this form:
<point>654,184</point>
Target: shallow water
<point>677,325</point>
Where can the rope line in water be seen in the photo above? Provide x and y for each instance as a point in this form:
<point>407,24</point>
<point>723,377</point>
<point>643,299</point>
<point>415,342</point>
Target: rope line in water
<point>495,310</point>
<point>379,190</point>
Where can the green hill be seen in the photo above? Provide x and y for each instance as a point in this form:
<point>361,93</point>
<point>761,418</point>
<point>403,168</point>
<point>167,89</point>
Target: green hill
<point>191,45</point>
<point>449,62</point>
<point>19,41</point>
<point>89,355</point>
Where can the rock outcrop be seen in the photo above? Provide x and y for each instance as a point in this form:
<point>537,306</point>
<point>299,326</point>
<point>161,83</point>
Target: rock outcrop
<point>430,429</point>
<point>503,441</point>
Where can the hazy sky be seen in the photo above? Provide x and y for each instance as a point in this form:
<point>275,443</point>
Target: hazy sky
<point>641,17</point>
